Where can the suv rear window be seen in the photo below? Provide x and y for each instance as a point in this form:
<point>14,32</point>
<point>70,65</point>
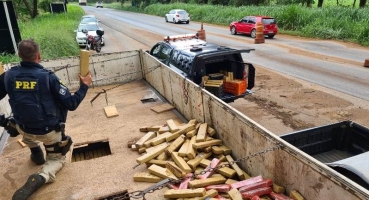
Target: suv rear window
<point>182,12</point>
<point>268,21</point>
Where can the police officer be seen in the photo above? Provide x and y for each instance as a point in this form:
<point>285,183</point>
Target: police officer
<point>40,103</point>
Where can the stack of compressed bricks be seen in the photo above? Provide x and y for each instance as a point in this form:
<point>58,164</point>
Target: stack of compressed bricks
<point>215,87</point>
<point>180,151</point>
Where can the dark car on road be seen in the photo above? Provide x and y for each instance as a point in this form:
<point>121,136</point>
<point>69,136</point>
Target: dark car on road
<point>247,25</point>
<point>196,59</point>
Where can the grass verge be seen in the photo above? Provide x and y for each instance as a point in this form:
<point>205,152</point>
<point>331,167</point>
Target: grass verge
<point>53,32</point>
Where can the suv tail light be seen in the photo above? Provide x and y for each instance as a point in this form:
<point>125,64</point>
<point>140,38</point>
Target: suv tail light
<point>177,15</point>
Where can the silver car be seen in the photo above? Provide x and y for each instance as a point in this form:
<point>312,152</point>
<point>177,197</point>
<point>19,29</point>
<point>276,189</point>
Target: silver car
<point>177,16</point>
<point>91,28</point>
<point>89,19</point>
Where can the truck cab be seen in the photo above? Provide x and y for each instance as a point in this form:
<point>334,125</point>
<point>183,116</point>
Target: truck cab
<point>82,2</point>
<point>196,59</point>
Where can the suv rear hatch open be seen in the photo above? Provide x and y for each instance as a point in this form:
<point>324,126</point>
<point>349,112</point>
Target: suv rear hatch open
<point>222,64</point>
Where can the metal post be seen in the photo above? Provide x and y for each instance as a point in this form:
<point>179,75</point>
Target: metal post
<point>10,26</point>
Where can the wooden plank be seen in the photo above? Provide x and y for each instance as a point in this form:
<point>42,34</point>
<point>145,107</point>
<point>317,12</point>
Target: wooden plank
<point>162,108</point>
<point>21,143</point>
<point>83,144</point>
<point>152,154</point>
<point>201,133</point>
<point>111,111</point>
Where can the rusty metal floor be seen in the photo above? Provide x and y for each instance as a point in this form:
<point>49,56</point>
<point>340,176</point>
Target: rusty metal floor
<point>93,178</point>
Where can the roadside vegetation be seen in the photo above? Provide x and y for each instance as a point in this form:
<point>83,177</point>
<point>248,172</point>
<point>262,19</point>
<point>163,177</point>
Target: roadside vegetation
<point>330,19</point>
<point>330,22</point>
<point>53,32</point>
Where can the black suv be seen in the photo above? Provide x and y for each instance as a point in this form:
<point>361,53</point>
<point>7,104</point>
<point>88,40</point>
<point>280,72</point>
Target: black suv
<point>195,59</point>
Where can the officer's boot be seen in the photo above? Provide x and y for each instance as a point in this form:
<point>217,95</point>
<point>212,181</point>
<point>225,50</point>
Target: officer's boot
<point>37,156</point>
<point>33,183</point>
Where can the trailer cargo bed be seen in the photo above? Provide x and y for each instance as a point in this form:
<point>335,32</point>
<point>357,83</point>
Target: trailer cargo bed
<point>100,176</point>
<point>110,174</point>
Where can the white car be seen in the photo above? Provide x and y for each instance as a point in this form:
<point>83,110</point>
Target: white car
<point>99,4</point>
<point>91,28</point>
<point>177,16</point>
<point>89,19</point>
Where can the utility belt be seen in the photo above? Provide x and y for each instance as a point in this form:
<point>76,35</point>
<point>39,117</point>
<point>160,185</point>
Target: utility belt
<point>60,147</point>
<point>42,131</point>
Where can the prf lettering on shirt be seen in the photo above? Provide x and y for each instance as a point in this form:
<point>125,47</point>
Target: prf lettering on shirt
<point>27,85</point>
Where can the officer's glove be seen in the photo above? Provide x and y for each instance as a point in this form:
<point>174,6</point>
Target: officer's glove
<point>10,128</point>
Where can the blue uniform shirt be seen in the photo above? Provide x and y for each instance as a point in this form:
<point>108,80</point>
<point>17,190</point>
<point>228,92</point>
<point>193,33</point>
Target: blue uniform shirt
<point>58,90</point>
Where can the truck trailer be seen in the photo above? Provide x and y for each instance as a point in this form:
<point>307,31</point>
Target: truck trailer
<point>121,81</point>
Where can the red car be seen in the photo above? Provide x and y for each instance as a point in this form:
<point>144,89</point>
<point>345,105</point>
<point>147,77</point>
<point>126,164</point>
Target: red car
<point>247,25</point>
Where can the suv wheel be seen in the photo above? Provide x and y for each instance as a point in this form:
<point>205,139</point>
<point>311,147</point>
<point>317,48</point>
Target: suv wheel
<point>253,33</point>
<point>174,21</point>
<point>188,21</point>
<point>270,36</point>
<point>233,30</point>
<point>166,19</point>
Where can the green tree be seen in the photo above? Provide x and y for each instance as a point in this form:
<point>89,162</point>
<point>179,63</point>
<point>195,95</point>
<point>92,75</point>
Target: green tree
<point>362,3</point>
